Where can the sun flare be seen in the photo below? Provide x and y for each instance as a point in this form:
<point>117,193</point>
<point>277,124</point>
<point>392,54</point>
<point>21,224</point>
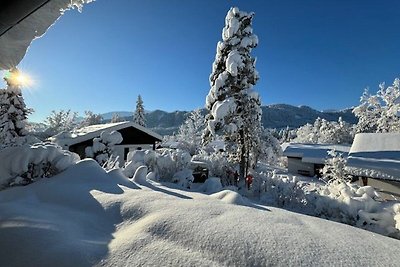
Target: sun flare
<point>19,78</point>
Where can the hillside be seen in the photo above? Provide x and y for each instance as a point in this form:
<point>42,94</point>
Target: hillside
<point>274,116</point>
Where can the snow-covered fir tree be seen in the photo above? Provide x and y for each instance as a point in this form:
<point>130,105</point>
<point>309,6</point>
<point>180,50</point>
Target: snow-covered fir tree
<point>138,116</point>
<point>91,119</point>
<point>190,132</point>
<point>13,111</point>
<point>380,112</point>
<point>234,107</point>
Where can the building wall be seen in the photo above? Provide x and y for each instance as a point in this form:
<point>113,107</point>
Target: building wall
<point>296,167</point>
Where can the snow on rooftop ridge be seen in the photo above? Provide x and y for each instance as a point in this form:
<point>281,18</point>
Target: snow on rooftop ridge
<point>373,142</point>
<point>93,128</point>
<point>92,131</point>
<point>376,155</point>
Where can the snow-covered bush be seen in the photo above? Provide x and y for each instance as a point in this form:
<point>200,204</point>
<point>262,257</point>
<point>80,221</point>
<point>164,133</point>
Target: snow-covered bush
<point>211,185</point>
<point>335,168</point>
<point>379,113</point>
<point>166,165</point>
<point>217,164</point>
<point>28,163</point>
<point>103,146</point>
<point>337,200</point>
<point>137,158</point>
<point>358,206</point>
<point>281,190</point>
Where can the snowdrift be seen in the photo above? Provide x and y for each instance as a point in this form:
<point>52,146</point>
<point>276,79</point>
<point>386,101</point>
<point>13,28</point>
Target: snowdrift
<point>86,216</point>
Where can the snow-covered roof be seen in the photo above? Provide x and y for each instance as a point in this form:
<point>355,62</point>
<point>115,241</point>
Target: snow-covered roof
<point>92,131</point>
<point>376,155</point>
<point>312,153</point>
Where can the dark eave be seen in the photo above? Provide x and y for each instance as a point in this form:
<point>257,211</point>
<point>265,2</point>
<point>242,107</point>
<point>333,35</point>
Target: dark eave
<point>13,12</point>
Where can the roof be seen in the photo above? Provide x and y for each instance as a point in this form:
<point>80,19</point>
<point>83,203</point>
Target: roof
<point>92,131</point>
<point>312,153</point>
<point>376,155</point>
<point>24,20</point>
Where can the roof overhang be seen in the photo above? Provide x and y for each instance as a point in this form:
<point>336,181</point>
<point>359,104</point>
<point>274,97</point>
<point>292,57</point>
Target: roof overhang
<point>22,21</point>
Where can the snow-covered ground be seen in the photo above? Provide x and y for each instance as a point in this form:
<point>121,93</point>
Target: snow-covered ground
<point>86,216</point>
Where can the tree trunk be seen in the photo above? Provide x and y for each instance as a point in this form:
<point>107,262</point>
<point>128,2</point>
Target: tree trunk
<point>242,166</point>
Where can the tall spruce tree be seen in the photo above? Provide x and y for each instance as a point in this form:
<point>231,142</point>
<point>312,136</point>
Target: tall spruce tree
<point>13,111</point>
<point>234,107</point>
<point>138,116</point>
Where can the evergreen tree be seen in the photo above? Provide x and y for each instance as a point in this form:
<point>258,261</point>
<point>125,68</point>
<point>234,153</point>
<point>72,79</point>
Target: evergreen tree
<point>235,109</point>
<point>138,116</point>
<point>13,111</point>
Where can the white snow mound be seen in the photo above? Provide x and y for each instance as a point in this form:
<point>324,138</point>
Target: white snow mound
<point>86,216</point>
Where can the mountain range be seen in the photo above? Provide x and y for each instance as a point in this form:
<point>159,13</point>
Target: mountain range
<point>274,116</point>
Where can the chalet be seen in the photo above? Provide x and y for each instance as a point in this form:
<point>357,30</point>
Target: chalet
<point>375,159</point>
<point>134,137</point>
<point>309,159</point>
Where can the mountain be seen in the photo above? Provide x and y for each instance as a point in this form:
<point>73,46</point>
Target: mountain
<point>122,114</point>
<point>283,115</point>
<point>274,116</point>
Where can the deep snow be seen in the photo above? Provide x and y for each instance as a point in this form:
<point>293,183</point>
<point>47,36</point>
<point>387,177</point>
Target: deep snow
<point>86,216</point>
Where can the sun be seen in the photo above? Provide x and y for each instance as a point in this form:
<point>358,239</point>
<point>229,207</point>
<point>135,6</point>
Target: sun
<point>17,78</point>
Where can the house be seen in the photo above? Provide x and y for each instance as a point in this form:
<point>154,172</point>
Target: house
<point>134,137</point>
<point>375,158</point>
<point>309,159</point>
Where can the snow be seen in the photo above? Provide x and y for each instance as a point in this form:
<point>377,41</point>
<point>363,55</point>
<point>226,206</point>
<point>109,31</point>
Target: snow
<point>312,153</point>
<point>87,216</point>
<point>223,108</point>
<point>16,161</point>
<point>232,25</point>
<point>140,175</point>
<point>376,155</point>
<point>234,61</point>
<point>15,42</point>
<point>211,185</point>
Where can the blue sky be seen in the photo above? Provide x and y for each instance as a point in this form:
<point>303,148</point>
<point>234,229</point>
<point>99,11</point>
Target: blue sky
<point>316,53</point>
